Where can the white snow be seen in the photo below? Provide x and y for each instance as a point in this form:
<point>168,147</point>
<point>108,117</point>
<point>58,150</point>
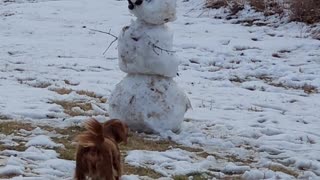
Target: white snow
<point>256,174</point>
<point>170,162</point>
<point>11,170</point>
<point>247,103</point>
<point>149,103</point>
<point>231,168</point>
<point>35,162</point>
<point>43,141</point>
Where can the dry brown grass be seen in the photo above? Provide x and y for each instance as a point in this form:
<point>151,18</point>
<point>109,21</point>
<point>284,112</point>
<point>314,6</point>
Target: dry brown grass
<point>91,94</point>
<point>308,89</point>
<point>234,5</point>
<point>62,91</point>
<point>135,142</point>
<point>281,168</point>
<point>138,141</point>
<point>12,127</point>
<point>269,7</point>
<point>315,33</point>
<point>258,5</point>
<point>141,171</point>
<point>195,176</point>
<point>307,11</point>
<point>69,150</point>
<point>69,106</point>
<point>216,4</point>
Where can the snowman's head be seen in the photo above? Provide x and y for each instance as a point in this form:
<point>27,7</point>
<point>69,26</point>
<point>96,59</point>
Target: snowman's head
<point>154,11</point>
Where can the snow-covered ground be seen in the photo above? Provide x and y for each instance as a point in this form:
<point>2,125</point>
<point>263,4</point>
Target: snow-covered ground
<point>254,89</point>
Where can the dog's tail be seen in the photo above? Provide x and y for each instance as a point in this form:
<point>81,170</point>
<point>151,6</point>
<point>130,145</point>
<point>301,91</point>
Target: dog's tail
<point>93,136</point>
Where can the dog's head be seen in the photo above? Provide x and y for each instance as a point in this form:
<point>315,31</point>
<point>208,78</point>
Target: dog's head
<point>117,130</point>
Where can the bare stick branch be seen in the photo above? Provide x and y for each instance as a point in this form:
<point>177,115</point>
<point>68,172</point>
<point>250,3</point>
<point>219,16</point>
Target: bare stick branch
<point>108,33</point>
<point>104,32</point>
<point>156,47</point>
<point>109,46</point>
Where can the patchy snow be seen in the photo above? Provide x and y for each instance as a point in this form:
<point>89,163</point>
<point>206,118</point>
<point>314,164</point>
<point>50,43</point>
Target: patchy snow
<point>254,89</point>
<point>35,162</point>
<point>10,170</point>
<point>231,168</point>
<point>43,141</point>
<point>136,177</point>
<point>170,162</point>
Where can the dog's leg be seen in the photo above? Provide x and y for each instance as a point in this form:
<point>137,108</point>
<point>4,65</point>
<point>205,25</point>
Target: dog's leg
<point>80,167</point>
<point>117,164</point>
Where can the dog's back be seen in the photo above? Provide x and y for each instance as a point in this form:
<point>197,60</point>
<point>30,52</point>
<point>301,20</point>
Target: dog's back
<point>96,156</point>
<point>95,163</point>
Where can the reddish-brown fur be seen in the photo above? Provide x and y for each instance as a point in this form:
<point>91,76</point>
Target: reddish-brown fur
<point>98,154</point>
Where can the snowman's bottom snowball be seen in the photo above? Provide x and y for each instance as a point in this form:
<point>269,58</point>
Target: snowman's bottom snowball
<point>151,104</point>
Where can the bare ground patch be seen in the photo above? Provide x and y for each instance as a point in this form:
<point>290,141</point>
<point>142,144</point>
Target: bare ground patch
<point>75,108</point>
<point>135,142</point>
<point>306,88</point>
<point>91,94</point>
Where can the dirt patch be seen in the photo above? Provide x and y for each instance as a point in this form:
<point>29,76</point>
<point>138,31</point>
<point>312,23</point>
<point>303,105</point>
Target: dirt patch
<point>141,171</point>
<point>75,108</point>
<point>12,128</point>
<point>195,176</point>
<point>308,89</point>
<point>281,168</point>
<point>233,5</point>
<point>136,141</point>
<point>61,91</point>
<point>91,94</point>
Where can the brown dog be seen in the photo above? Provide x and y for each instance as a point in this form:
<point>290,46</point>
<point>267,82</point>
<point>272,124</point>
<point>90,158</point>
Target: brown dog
<point>98,154</point>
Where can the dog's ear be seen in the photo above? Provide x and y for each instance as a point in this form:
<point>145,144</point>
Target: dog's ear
<point>117,130</point>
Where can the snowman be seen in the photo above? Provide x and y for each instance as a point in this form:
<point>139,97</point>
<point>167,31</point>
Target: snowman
<point>148,99</point>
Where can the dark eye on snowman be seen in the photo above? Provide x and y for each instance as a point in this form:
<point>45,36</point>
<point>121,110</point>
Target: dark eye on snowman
<point>138,2</point>
<point>131,4</point>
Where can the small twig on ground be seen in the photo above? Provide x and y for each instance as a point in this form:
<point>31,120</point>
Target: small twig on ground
<point>108,33</point>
